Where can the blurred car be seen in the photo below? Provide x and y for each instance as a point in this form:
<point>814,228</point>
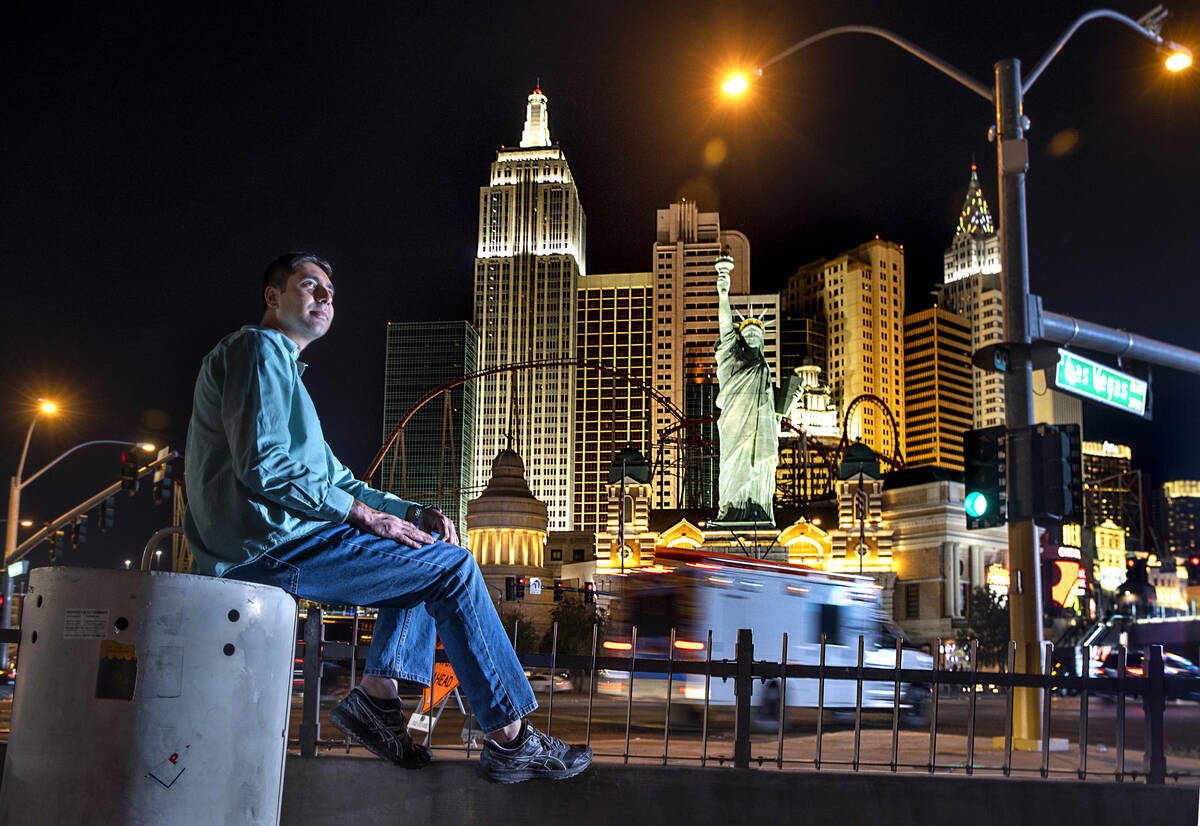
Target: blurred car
<point>1135,666</point>
<point>541,682</point>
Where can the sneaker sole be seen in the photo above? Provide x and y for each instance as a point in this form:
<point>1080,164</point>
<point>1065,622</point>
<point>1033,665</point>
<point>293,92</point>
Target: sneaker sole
<point>522,775</point>
<point>348,725</point>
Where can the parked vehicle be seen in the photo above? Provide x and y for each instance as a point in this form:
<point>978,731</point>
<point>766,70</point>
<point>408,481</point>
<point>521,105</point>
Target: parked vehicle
<point>723,593</point>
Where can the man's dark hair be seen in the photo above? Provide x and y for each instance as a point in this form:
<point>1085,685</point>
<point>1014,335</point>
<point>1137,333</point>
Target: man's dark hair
<point>282,268</point>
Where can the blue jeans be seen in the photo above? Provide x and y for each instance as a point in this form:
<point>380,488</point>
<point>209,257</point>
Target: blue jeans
<point>418,591</point>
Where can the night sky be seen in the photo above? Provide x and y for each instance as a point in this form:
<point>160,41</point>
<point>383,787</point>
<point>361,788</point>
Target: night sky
<point>156,158</point>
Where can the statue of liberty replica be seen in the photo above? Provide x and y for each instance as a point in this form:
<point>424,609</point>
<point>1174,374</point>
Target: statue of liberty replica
<point>750,414</point>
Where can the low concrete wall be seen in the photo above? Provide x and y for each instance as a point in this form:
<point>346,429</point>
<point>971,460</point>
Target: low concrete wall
<point>339,790</point>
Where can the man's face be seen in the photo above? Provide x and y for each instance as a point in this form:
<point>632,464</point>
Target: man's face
<point>753,335</point>
<point>304,309</point>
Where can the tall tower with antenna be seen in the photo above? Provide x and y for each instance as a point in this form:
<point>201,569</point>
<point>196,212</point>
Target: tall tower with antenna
<point>529,257</point>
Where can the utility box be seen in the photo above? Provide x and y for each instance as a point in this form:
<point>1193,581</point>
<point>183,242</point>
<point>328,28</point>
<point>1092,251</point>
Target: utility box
<point>149,697</point>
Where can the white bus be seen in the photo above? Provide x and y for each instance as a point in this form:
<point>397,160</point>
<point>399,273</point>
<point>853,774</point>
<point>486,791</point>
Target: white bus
<point>722,593</point>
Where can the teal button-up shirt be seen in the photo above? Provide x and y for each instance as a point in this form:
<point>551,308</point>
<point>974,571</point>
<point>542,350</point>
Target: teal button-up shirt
<point>259,472</point>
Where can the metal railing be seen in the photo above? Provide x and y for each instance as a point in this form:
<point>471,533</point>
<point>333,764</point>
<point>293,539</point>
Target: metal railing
<point>1152,685</point>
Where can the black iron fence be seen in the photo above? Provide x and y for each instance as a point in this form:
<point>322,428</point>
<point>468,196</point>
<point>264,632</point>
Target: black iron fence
<point>1153,687</point>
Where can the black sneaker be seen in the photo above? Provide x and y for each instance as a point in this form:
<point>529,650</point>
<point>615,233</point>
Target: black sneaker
<point>532,755</point>
<point>383,731</point>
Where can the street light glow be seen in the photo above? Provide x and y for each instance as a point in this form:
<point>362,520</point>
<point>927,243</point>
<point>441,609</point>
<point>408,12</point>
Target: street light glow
<point>1178,61</point>
<point>736,85</point>
<point>146,446</point>
<point>47,406</point>
<point>26,523</point>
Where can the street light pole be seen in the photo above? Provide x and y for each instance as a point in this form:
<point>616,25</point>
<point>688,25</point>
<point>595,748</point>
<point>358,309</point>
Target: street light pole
<point>1024,593</point>
<point>15,486</point>
<point>10,528</point>
<point>1024,320</point>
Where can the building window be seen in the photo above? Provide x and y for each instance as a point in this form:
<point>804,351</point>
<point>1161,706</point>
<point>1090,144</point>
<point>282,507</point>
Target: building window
<point>556,555</point>
<point>912,601</point>
<point>577,555</point>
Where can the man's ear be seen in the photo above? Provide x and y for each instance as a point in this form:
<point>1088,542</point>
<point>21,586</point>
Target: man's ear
<point>271,296</point>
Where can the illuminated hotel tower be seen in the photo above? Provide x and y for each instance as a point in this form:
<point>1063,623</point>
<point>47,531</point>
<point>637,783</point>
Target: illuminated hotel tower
<point>972,289</point>
<point>614,322</point>
<point>687,244</point>
<point>527,268</point>
<point>860,297</point>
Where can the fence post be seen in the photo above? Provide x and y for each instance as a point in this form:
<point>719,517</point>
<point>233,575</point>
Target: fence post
<point>1154,705</point>
<point>743,687</point>
<point>310,724</point>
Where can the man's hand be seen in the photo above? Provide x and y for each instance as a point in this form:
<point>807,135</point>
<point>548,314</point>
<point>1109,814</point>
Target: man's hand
<point>434,521</point>
<point>378,523</point>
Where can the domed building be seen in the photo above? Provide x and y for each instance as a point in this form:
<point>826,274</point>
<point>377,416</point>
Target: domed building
<point>506,525</point>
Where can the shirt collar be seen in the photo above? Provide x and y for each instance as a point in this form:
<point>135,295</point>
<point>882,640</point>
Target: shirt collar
<point>285,341</point>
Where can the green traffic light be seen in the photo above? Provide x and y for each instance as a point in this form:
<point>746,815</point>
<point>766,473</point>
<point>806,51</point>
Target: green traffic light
<point>976,504</point>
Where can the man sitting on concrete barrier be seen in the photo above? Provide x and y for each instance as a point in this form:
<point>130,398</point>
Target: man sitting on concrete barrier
<point>268,502</point>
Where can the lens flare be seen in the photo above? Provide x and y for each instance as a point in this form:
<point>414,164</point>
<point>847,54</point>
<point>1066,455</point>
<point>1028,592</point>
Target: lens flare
<point>1177,62</point>
<point>736,85</point>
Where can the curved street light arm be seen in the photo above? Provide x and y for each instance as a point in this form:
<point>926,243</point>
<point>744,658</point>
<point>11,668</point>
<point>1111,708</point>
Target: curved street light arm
<point>1152,36</point>
<point>942,66</point>
<point>64,455</point>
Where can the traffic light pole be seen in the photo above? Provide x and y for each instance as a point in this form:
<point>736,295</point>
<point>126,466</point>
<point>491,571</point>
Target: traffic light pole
<point>1024,592</point>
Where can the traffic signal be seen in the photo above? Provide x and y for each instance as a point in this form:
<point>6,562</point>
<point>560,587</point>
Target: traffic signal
<point>1056,452</point>
<point>520,587</point>
<point>107,511</point>
<point>58,544</point>
<point>558,590</point>
<point>129,475</point>
<point>510,588</point>
<point>1193,570</point>
<point>589,593</point>
<point>79,532</point>
<point>984,452</point>
<point>163,484</point>
<point>1135,571</point>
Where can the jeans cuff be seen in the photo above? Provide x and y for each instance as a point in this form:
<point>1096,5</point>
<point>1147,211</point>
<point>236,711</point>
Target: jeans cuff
<point>410,676</point>
<point>487,727</point>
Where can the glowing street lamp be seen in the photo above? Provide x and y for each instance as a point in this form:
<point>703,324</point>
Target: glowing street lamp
<point>1180,60</point>
<point>736,85</point>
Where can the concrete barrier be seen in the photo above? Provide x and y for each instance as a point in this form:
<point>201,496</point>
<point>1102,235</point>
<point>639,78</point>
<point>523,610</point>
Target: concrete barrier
<point>339,790</point>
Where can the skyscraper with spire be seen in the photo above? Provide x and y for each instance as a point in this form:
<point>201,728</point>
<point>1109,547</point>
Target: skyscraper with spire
<point>972,288</point>
<point>528,262</point>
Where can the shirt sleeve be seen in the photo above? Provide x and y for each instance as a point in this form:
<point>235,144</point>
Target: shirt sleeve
<point>256,404</point>
<point>357,489</point>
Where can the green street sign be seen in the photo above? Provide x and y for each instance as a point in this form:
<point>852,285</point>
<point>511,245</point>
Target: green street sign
<point>1100,383</point>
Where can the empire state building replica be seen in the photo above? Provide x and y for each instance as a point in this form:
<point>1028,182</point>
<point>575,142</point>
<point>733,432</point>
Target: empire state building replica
<point>527,266</point>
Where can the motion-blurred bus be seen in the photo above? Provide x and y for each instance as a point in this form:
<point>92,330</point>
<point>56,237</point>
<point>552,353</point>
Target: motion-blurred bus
<point>722,593</point>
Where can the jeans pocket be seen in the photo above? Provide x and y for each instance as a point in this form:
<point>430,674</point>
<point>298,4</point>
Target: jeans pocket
<point>283,574</point>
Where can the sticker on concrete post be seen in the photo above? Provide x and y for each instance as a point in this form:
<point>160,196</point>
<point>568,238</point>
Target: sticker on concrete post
<point>116,675</point>
<point>169,770</point>
<point>85,624</point>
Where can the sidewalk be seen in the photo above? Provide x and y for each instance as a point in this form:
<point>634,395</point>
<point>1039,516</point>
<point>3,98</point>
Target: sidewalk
<point>875,745</point>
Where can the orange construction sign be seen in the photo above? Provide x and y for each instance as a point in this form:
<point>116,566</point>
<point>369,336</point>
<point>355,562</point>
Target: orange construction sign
<point>444,682</point>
